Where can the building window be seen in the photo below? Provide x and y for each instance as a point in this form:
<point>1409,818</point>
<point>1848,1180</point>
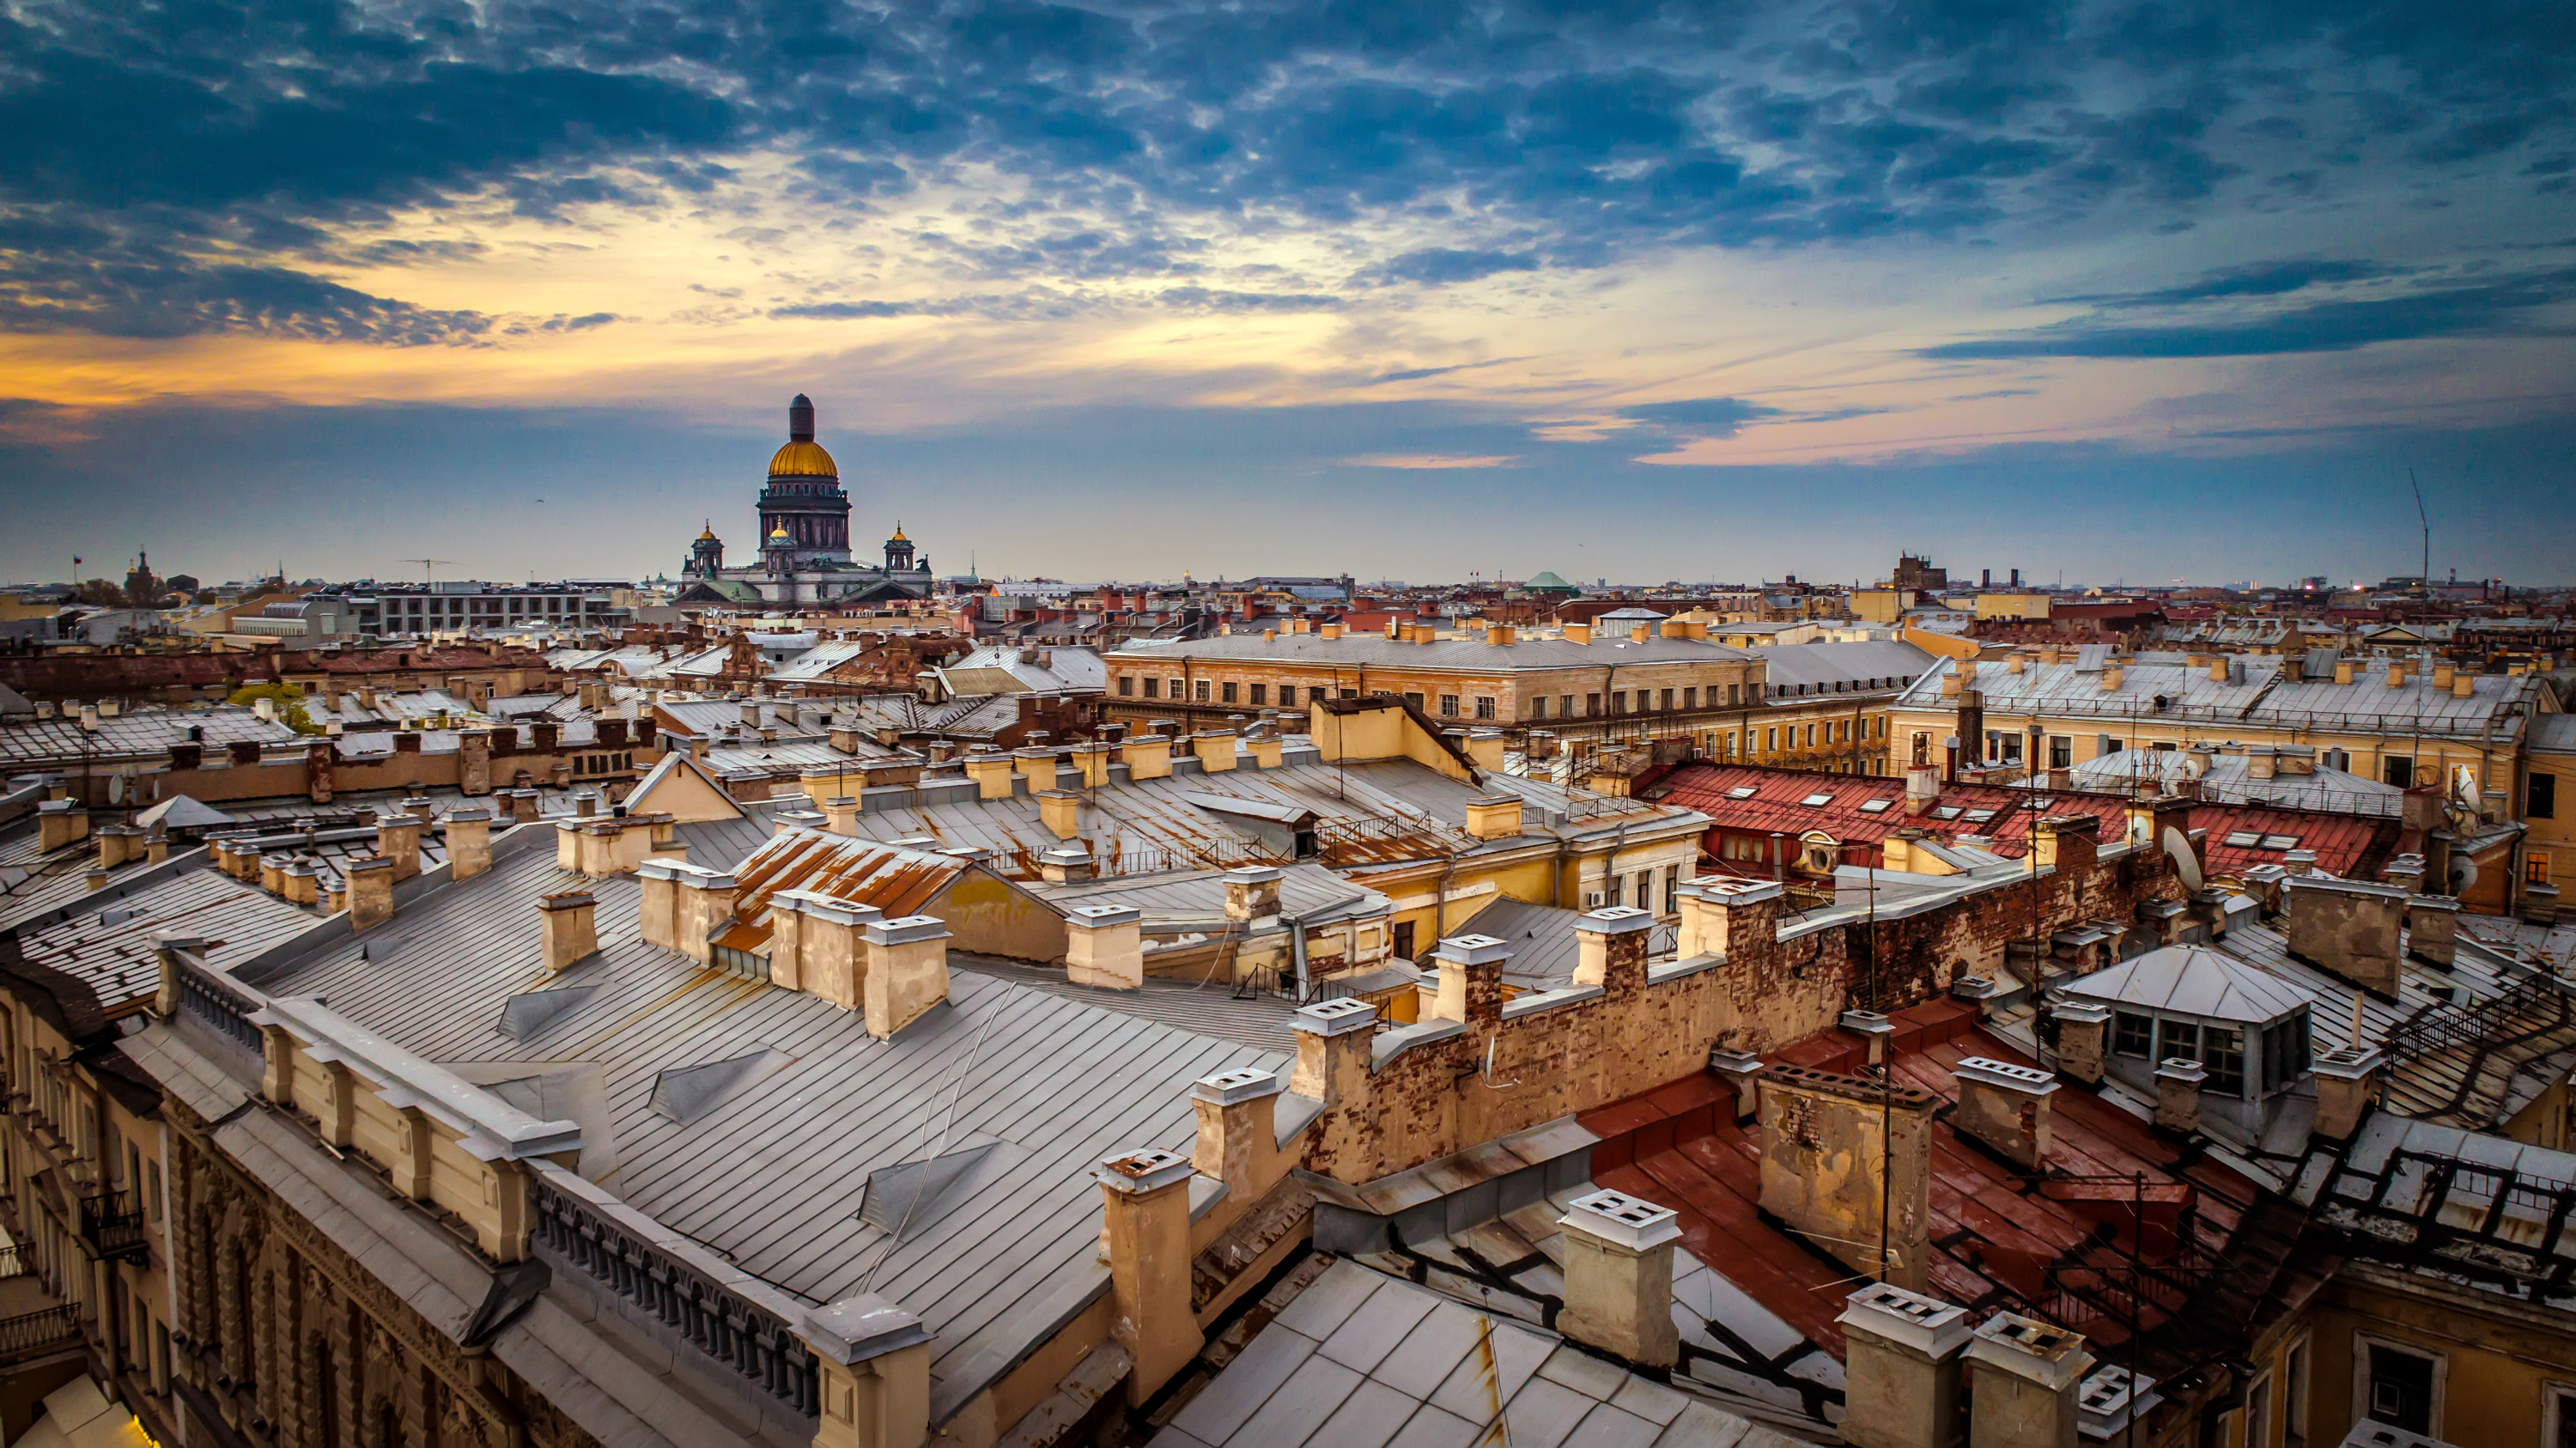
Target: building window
<point>2258,1414</point>
<point>1176,694</point>
<point>1484,706</point>
<point>1618,701</point>
<point>2223,1052</point>
<point>2061,752</point>
<point>1666,703</point>
<point>2399,770</point>
<point>1565,706</point>
<point>1811,736</point>
<point>1404,940</point>
<point>2400,1386</point>
<point>1771,740</point>
<point>1260,694</point>
<point>1672,883</point>
<point>1591,706</point>
<point>1645,889</point>
<point>1448,706</point>
<point>2540,797</point>
<point>1690,698</point>
<point>1618,883</point>
<point>2535,868</point>
<point>2131,1034</point>
<point>1731,694</point>
<point>1153,688</point>
<point>1228,695</point>
<point>2177,1040</point>
<point>1200,695</point>
<point>1538,707</point>
<point>1126,686</point>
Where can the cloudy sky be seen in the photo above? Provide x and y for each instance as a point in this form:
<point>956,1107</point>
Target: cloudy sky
<point>2127,291</point>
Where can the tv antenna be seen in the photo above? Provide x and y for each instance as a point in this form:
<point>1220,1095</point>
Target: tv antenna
<point>426,564</point>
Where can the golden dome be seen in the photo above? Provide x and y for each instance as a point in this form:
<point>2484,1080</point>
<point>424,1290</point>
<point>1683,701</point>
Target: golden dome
<point>707,533</point>
<point>803,460</point>
<point>779,534</point>
<point>898,535</point>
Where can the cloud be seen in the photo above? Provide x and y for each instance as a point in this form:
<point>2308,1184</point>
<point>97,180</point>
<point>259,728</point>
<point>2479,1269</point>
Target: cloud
<point>1442,266</point>
<point>1701,416</point>
<point>2259,279</point>
<point>2487,309</point>
<point>1430,462</point>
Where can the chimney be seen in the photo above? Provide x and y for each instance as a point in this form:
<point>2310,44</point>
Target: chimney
<point>1038,764</point>
<point>841,814</point>
<point>398,840</point>
<point>2006,1107</point>
<point>1238,1138</point>
<point>1494,817</point>
<point>1610,948</point>
<point>1333,1050</point>
<point>2178,1083</point>
<point>1265,751</point>
<point>1215,750</point>
<point>60,822</point>
<point>906,970</point>
<point>469,843</point>
<point>2013,664</point>
<point>1485,749</point>
<point>1330,631</point>
<point>371,893</point>
<point>2067,843</point>
<point>1737,915</point>
<point>659,880</point>
<point>2433,929</point>
<point>815,945</point>
<point>2024,1383</point>
<point>1901,1369</point>
<point>1145,1209</point>
<point>2218,669</point>
<point>2464,684</point>
<point>1742,1073</point>
<point>992,773</point>
<point>1147,756</point>
<point>1068,865</point>
<point>2111,677</point>
<point>272,873</point>
<point>1922,787</point>
<point>2081,1044</point>
<point>570,927</point>
<point>2347,1079</point>
<point>1060,810</point>
<point>1637,634</point>
<point>704,900</point>
<point>1673,628</point>
<point>1578,633</point>
<point>1471,978</point>
<point>1104,947</point>
<point>2347,927</point>
<point>1091,762</point>
<point>1619,1277</point>
<point>1823,1152</point>
<point>2343,671</point>
<point>2397,674</point>
<point>1252,892</point>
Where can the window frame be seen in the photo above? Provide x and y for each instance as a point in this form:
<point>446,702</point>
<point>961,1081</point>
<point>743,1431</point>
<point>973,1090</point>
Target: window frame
<point>2146,1047</point>
<point>2364,1344</point>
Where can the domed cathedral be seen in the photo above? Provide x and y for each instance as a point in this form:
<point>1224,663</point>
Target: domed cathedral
<point>804,538</point>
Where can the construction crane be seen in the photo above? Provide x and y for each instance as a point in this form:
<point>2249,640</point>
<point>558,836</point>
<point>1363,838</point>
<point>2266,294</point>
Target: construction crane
<point>425,565</point>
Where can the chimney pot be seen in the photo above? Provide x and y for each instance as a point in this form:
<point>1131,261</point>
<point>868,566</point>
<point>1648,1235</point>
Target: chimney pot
<point>1902,1371</point>
<point>1619,1277</point>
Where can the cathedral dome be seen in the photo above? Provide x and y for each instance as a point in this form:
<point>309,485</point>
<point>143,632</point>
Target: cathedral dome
<point>803,460</point>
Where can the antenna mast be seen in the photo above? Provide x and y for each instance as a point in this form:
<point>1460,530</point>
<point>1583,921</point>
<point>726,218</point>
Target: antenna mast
<point>2422,518</point>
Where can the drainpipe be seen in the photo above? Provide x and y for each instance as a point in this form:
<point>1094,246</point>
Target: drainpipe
<point>1297,952</point>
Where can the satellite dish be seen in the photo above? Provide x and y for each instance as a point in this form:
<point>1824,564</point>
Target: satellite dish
<point>2464,873</point>
<point>2186,864</point>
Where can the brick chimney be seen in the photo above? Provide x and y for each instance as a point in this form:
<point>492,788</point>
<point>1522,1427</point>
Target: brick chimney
<point>1147,756</point>
<point>2347,927</point>
<point>1038,764</point>
<point>571,929</point>
<point>469,843</point>
<point>2024,1377</point>
<point>1238,1138</point>
<point>2178,1083</point>
<point>1333,1050</point>
<point>1471,978</point>
<point>1145,1205</point>
<point>992,773</point>
<point>371,892</point>
<point>1901,1369</point>
<point>905,969</point>
<point>1252,892</point>
<point>1735,915</point>
<point>1619,1277</point>
<point>398,840</point>
<point>60,822</point>
<point>2347,1079</point>
<point>1610,948</point>
<point>1060,810</point>
<point>841,814</point>
<point>2006,1107</point>
<point>1823,1150</point>
<point>1069,864</point>
<point>2082,1029</point>
<point>1104,947</point>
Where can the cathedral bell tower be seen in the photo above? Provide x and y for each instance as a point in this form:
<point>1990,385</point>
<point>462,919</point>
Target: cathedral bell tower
<point>803,507</point>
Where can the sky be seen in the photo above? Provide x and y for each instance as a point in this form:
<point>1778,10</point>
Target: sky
<point>2127,292</point>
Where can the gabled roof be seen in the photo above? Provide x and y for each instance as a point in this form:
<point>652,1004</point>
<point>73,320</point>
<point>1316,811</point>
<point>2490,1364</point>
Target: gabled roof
<point>2193,980</point>
<point>179,812</point>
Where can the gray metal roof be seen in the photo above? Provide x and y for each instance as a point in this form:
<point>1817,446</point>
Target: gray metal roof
<point>132,733</point>
<point>1362,1360</point>
<point>2193,980</point>
<point>2553,734</point>
<point>1195,899</point>
<point>1874,664</point>
<point>1541,938</point>
<point>110,949</point>
<point>773,1178</point>
<point>2263,699</point>
<point>1470,655</point>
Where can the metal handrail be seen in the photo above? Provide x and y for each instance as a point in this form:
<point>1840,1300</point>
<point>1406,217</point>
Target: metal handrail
<point>43,1329</point>
<point>2447,1026</point>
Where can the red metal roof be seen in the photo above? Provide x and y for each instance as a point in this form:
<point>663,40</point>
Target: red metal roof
<point>1778,805</point>
<point>2353,846</point>
<point>1996,1233</point>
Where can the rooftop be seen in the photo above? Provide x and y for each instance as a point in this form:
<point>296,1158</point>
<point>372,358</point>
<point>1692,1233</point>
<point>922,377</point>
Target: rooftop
<point>1606,648</point>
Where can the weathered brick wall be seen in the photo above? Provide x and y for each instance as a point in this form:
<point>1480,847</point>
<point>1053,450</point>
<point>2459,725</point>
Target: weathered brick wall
<point>1497,1076</point>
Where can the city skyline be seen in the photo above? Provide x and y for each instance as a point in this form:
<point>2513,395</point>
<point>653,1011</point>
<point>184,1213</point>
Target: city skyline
<point>1132,291</point>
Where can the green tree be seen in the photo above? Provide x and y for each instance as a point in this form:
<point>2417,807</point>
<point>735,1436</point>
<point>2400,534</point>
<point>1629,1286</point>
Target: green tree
<point>101,593</point>
<point>289,700</point>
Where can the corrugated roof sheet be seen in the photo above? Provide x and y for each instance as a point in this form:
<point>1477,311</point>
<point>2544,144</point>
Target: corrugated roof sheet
<point>2195,981</point>
<point>110,949</point>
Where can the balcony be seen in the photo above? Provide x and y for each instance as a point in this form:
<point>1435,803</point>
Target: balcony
<point>111,1227</point>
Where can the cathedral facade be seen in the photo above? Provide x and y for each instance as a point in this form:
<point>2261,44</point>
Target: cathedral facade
<point>804,538</point>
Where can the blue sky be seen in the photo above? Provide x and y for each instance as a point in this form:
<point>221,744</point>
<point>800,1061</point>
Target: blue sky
<point>1640,290</point>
